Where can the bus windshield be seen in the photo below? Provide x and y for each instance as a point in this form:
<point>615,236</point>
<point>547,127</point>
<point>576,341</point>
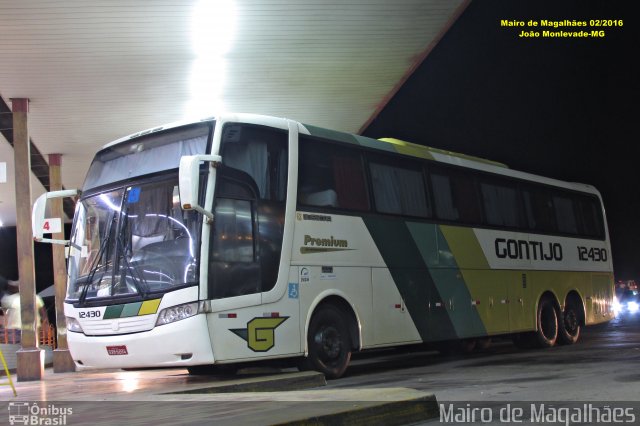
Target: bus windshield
<point>133,241</point>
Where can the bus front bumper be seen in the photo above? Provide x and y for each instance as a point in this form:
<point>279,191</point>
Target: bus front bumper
<point>178,344</point>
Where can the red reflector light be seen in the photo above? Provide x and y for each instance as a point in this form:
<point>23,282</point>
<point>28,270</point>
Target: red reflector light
<point>232,316</point>
<point>275,314</point>
<point>117,350</point>
<point>398,306</point>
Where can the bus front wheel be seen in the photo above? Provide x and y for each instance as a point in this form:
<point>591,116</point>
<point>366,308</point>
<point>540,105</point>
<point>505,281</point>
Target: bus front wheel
<point>328,342</point>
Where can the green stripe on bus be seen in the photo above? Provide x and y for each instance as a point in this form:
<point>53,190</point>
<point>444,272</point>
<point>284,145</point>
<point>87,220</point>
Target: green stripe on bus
<point>448,279</point>
<point>131,310</point>
<point>113,311</point>
<point>411,276</point>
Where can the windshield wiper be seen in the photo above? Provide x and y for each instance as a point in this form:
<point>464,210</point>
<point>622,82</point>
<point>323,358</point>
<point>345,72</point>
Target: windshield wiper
<point>139,281</point>
<point>96,261</point>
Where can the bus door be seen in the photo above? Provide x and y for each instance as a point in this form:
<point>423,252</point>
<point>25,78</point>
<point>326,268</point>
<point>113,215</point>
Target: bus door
<point>246,246</point>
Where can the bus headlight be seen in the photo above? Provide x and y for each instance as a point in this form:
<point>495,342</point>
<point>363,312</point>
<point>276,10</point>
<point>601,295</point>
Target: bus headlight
<point>73,325</point>
<point>632,307</point>
<point>177,313</point>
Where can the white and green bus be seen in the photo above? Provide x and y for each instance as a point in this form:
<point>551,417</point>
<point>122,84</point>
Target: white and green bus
<point>241,238</point>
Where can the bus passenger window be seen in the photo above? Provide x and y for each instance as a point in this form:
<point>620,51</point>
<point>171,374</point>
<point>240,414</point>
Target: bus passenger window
<point>591,223</point>
<point>539,210</point>
<point>455,197</point>
<point>501,205</point>
<point>565,215</point>
<point>330,176</point>
<point>399,190</point>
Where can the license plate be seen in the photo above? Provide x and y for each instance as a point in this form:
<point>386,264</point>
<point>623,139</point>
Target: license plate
<point>117,350</point>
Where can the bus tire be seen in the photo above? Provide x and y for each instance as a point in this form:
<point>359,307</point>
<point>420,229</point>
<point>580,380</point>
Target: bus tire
<point>546,334</point>
<point>569,324</point>
<point>328,342</point>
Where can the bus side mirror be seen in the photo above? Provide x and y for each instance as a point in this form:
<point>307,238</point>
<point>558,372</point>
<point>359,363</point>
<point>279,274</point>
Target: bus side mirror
<point>189,181</point>
<point>41,225</point>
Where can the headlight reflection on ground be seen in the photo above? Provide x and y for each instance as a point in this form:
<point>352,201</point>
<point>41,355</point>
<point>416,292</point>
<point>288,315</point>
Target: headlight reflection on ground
<point>129,381</point>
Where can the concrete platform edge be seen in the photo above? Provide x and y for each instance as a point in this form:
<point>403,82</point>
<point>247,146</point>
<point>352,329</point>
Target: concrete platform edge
<point>388,413</point>
<point>274,383</point>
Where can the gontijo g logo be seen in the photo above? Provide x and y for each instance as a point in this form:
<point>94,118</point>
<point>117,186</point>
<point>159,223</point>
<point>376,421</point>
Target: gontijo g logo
<point>260,332</point>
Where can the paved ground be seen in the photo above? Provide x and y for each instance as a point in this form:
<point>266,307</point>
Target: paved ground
<point>603,368</point>
<point>604,365</point>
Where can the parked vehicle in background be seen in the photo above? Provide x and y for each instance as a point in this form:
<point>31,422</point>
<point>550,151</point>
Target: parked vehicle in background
<point>627,301</point>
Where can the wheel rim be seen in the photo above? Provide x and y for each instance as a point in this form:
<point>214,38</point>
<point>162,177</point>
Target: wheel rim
<point>329,344</point>
<point>571,322</point>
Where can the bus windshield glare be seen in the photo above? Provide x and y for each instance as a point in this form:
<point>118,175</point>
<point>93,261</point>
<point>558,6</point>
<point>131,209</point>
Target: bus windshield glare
<point>133,241</point>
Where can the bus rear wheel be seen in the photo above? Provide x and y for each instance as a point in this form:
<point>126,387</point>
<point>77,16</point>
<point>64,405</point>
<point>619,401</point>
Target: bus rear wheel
<point>569,325</point>
<point>547,332</point>
<point>329,342</point>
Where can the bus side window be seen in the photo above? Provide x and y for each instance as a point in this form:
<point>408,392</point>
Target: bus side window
<point>261,153</point>
<point>456,198</point>
<point>565,214</point>
<point>398,188</point>
<point>591,218</point>
<point>331,176</point>
<point>501,203</point>
<point>539,210</point>
<point>233,270</point>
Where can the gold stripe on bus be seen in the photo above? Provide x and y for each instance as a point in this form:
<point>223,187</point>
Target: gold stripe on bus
<point>308,250</point>
<point>149,307</point>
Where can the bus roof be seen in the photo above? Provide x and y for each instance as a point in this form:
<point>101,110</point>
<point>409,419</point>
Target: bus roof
<point>420,151</point>
<point>399,146</point>
<point>385,144</point>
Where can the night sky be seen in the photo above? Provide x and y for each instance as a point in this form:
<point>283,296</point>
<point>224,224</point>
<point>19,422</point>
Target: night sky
<point>559,107</point>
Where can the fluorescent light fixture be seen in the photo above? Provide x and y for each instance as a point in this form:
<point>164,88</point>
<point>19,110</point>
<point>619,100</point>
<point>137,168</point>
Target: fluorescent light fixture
<point>3,172</point>
<point>213,32</point>
<point>213,27</point>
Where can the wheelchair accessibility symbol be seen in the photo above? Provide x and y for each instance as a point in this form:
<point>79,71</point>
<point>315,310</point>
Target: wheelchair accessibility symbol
<point>293,291</point>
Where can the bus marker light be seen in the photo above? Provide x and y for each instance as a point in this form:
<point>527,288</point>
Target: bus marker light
<point>232,315</point>
<point>398,306</point>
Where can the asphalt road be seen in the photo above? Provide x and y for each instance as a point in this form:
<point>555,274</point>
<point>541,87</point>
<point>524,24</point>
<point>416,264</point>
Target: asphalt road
<point>603,366</point>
